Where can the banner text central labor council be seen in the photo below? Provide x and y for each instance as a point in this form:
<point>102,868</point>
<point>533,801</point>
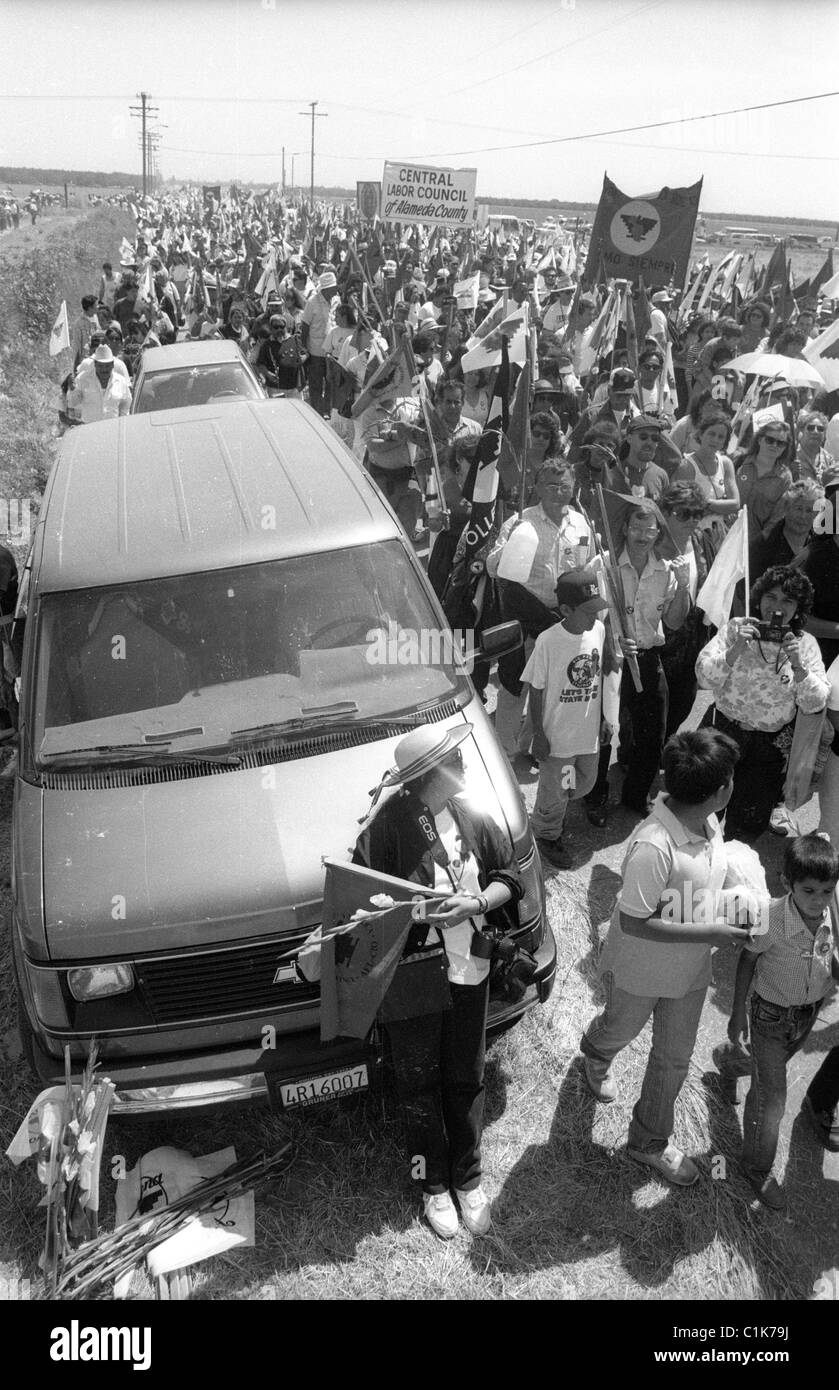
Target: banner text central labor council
<point>435,197</point>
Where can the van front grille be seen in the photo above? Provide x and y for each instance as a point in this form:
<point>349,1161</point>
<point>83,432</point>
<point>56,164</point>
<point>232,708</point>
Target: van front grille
<point>107,778</point>
<point>212,984</point>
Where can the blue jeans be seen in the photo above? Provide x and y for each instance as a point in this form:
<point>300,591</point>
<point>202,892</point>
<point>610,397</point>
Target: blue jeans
<point>777,1033</point>
<point>675,1025</point>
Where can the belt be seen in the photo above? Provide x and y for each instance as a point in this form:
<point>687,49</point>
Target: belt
<point>789,1008</point>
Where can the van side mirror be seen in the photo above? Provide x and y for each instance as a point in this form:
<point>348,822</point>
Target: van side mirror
<point>497,641</point>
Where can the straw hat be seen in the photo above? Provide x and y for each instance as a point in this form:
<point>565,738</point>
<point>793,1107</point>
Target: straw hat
<point>422,749</point>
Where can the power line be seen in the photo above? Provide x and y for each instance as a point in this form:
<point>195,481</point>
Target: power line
<point>628,130</point>
<point>540,57</point>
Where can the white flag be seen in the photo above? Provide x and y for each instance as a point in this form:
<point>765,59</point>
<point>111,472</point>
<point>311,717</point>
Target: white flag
<point>487,352</point>
<point>823,354</point>
<point>60,335</point>
<point>730,566</point>
<point>467,291</point>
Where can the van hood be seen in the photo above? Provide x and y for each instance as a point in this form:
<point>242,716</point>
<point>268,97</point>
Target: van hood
<point>217,858</point>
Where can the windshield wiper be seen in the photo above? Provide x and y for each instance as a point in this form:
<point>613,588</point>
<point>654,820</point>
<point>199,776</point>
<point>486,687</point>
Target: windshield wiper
<point>308,717</point>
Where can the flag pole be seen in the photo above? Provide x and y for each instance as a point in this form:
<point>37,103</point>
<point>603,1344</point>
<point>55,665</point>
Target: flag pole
<point>746,556</point>
<point>435,462</point>
<point>613,572</point>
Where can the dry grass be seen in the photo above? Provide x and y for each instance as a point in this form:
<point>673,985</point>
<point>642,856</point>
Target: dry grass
<point>574,1218</point>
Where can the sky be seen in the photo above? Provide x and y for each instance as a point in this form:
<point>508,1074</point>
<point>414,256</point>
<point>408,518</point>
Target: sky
<point>487,84</point>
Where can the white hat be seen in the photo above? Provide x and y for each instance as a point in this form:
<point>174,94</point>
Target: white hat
<point>327,281</point>
<point>103,354</point>
<point>661,297</point>
<point>422,749</point>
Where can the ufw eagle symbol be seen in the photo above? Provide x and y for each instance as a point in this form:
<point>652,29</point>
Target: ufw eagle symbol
<point>637,227</point>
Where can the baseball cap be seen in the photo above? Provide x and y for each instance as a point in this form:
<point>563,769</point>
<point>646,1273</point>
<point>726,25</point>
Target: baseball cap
<point>622,379</point>
<point>644,422</point>
<point>579,589</point>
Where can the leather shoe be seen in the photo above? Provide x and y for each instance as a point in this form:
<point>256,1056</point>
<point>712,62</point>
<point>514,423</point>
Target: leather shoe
<point>766,1190</point>
<point>672,1164</point>
<point>598,813</point>
<point>555,853</point>
<point>601,1083</point>
<point>824,1125</point>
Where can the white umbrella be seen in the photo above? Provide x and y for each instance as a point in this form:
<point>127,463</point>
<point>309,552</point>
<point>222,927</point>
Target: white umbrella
<point>771,364</point>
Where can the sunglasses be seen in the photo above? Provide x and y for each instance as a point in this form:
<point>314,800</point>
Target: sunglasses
<point>774,440</point>
<point>814,429</point>
<point>689,513</point>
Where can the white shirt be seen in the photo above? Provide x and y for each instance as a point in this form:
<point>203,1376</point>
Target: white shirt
<point>567,668</point>
<point>464,968</point>
<point>92,403</point>
<point>559,548</point>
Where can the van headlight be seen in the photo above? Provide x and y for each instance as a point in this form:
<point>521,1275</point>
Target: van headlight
<point>98,981</point>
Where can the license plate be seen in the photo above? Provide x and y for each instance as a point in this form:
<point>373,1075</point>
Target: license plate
<point>317,1089</point>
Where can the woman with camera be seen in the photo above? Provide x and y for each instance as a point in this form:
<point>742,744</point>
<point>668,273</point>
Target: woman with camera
<point>434,1013</point>
<point>762,670</point>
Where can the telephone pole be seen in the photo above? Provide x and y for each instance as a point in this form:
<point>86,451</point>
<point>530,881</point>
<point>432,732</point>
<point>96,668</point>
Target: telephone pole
<point>314,113</point>
<point>144,111</point>
<point>283,183</point>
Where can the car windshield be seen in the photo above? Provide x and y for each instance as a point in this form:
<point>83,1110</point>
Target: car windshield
<point>223,381</point>
<point>201,661</point>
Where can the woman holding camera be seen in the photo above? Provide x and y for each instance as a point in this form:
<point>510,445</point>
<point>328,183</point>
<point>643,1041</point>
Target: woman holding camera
<point>435,1012</point>
<point>762,670</point>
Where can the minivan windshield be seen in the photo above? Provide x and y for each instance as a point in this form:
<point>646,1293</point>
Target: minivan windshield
<point>198,385</point>
<point>208,660</point>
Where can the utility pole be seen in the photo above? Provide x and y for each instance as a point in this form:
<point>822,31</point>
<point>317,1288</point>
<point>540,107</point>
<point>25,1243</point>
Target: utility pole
<point>283,183</point>
<point>314,113</point>
<point>144,111</point>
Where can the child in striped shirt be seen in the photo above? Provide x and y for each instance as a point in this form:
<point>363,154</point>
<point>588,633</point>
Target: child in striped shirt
<point>792,967</point>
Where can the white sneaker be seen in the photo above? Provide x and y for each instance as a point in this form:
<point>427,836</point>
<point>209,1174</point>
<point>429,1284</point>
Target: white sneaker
<point>440,1213</point>
<point>783,822</point>
<point>474,1206</point>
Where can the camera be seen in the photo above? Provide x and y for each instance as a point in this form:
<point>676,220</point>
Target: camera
<point>773,631</point>
<point>512,968</point>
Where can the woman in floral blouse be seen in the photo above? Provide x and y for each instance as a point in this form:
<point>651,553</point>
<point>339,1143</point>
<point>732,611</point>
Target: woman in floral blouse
<point>759,684</point>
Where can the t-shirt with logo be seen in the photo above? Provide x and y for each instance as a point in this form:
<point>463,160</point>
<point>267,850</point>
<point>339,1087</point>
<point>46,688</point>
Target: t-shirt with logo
<point>567,668</point>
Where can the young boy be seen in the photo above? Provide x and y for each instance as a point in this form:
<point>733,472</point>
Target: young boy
<point>792,967</point>
<point>565,673</point>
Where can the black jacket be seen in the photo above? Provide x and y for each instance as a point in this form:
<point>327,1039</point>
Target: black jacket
<point>401,837</point>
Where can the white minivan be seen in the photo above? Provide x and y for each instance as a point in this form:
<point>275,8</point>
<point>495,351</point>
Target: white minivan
<point>200,723</point>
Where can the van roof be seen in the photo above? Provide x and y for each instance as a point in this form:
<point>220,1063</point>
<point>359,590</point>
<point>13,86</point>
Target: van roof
<point>179,491</point>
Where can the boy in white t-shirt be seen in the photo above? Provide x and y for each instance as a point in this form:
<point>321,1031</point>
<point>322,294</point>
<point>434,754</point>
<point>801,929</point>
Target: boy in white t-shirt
<point>565,679</point>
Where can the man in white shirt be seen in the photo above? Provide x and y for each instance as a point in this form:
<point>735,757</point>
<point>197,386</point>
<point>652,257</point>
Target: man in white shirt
<point>100,394</point>
<point>660,303</point>
<point>314,325</point>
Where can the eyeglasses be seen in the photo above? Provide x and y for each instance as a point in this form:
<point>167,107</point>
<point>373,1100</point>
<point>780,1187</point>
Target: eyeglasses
<point>814,429</point>
<point>689,513</point>
<point>774,441</point>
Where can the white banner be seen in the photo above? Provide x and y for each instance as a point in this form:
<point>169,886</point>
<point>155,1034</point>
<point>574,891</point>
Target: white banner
<point>433,197</point>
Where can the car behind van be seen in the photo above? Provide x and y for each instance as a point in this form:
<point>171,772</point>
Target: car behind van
<point>204,709</point>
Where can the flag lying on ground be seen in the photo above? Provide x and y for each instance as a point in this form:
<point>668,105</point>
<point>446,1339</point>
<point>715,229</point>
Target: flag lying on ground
<point>730,566</point>
<point>60,335</point>
<point>650,235</point>
<point>358,958</point>
<point>823,354</point>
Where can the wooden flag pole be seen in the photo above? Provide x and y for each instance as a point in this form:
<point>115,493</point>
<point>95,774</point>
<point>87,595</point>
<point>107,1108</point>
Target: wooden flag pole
<point>423,400</point>
<point>613,574</point>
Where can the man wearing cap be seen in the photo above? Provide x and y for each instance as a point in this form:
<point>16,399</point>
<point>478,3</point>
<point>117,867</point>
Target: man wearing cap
<point>434,1013</point>
<point>545,541</point>
<point>100,394</point>
<point>620,408</point>
<point>564,675</point>
<point>315,323</point>
<point>637,474</point>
